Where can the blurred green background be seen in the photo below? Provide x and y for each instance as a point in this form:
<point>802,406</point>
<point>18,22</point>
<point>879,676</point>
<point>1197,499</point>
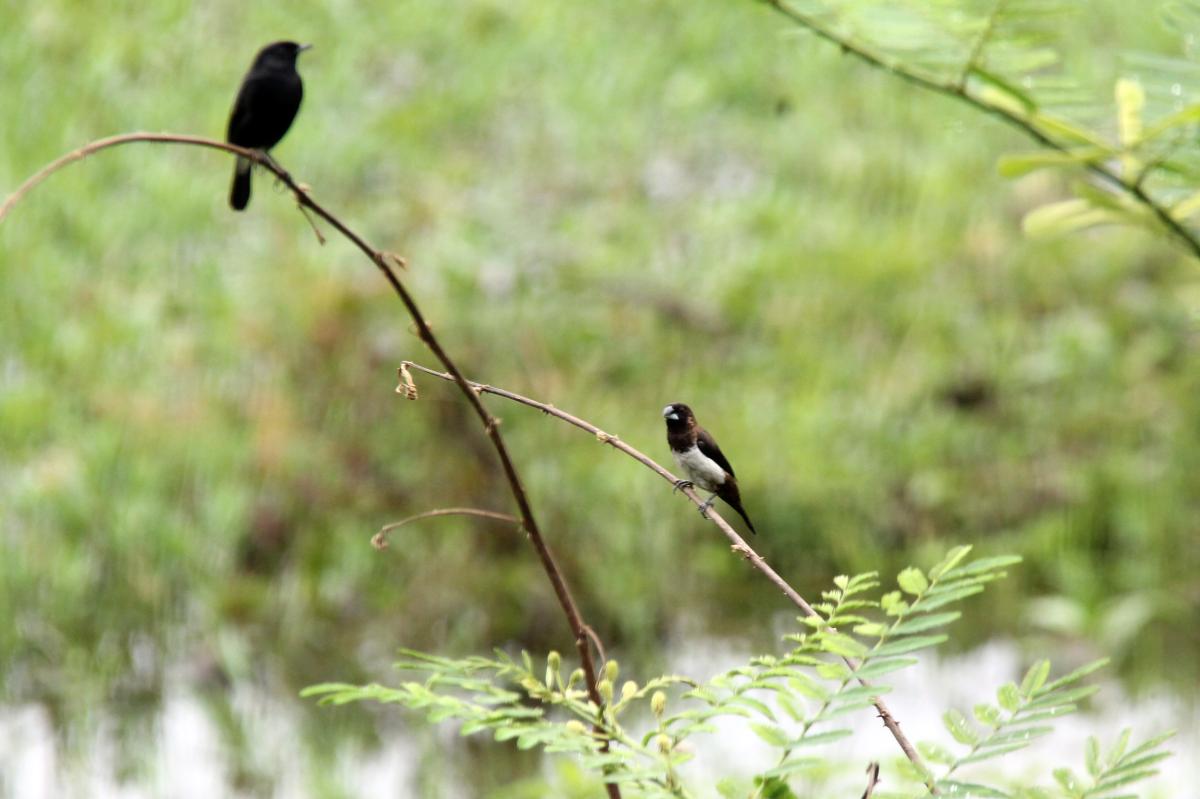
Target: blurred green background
<point>607,206</point>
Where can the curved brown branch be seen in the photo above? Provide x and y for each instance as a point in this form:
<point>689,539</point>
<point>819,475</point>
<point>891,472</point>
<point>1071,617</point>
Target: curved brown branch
<point>739,544</point>
<point>379,540</point>
<point>383,261</point>
<point>125,138</point>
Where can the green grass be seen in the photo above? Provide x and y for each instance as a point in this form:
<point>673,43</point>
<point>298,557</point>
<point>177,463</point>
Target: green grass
<point>605,206</point>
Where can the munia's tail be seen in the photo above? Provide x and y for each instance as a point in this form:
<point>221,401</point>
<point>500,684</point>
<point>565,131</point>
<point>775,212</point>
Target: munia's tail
<point>749,523</point>
<point>729,493</point>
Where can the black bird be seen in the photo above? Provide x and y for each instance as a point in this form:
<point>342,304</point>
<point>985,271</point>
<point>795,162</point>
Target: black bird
<point>265,107</point>
<point>701,459</point>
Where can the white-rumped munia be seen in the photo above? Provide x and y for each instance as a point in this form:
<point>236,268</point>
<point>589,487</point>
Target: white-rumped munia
<point>701,459</point>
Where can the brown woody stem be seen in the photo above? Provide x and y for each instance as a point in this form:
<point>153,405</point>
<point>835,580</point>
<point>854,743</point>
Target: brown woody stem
<point>739,544</point>
<point>383,261</point>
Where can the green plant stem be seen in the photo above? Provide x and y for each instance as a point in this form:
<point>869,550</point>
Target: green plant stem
<point>959,90</point>
<point>812,719</point>
<point>973,60</point>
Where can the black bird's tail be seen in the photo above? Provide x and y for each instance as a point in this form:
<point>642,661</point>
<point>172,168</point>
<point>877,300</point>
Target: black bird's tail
<point>239,195</point>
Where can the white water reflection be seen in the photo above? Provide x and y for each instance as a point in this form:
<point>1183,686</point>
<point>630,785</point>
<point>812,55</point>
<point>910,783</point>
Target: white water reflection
<point>190,759</point>
<point>924,692</point>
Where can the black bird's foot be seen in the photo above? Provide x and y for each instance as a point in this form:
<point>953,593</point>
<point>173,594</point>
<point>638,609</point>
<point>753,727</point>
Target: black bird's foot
<point>705,505</point>
<point>681,484</point>
<point>271,162</point>
<point>282,176</point>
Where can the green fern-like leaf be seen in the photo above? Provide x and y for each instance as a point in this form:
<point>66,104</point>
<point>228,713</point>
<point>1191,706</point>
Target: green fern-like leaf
<point>1014,723</point>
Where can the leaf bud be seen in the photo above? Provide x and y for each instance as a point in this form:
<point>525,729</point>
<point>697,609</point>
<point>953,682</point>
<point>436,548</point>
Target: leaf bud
<point>658,703</point>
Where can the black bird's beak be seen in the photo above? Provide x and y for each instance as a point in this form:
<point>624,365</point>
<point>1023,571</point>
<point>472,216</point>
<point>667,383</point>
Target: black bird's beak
<point>302,48</point>
<point>669,413</point>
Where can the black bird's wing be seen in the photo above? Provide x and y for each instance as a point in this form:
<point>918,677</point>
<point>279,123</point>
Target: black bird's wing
<point>709,449</point>
<point>266,104</point>
<point>728,490</point>
<point>241,123</point>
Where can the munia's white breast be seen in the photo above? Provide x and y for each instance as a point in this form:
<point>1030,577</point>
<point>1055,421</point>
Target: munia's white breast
<point>700,469</point>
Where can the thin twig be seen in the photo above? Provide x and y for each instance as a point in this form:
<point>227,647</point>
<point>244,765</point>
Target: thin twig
<point>312,223</point>
<point>383,261</point>
<point>961,92</point>
<point>596,642</point>
<point>973,60</point>
<point>1160,159</point>
<point>112,141</point>
<point>739,544</point>
<point>872,780</point>
<point>379,540</point>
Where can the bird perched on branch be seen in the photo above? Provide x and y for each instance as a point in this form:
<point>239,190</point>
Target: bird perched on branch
<point>264,109</point>
<point>701,459</point>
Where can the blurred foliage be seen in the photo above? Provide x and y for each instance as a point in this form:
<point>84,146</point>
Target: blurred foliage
<point>638,739</point>
<point>1001,57</point>
<point>605,206</point>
